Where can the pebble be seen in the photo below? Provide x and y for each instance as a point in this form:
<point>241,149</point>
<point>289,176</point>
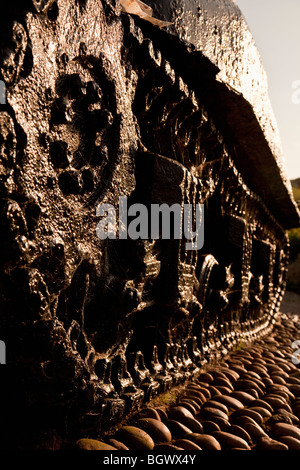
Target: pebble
<point>230,374</point>
<point>292,380</point>
<point>167,448</point>
<point>206,377</point>
<point>195,406</point>
<point>223,390</point>
<point>293,418</point>
<point>156,429</point>
<point>275,402</point>
<point>218,374</point>
<point>117,444</point>
<point>248,412</point>
<point>177,412</point>
<point>205,441</point>
<point>186,444</point>
<point>177,429</point>
<point>266,443</point>
<point>229,441</point>
<point>199,402</point>
<point>239,431</point>
<point>222,382</point>
<point>135,438</point>
<point>200,384</point>
<point>149,413</point>
<point>192,424</point>
<point>292,442</point>
<point>92,444</point>
<point>230,402</point>
<point>213,391</point>
<point>204,391</point>
<point>195,395</point>
<point>277,379</point>
<point>295,389</point>
<point>255,431</point>
<point>211,413</point>
<point>215,404</point>
<point>296,411</point>
<point>282,391</point>
<point>260,369</point>
<point>284,429</point>
<point>221,422</point>
<point>242,420</point>
<point>237,368</point>
<point>252,392</point>
<point>209,427</point>
<point>162,413</point>
<point>189,407</point>
<point>264,413</point>
<point>244,397</point>
<point>248,384</point>
<point>262,404</point>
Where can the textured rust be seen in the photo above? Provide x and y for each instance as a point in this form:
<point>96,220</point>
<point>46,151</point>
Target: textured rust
<point>101,104</point>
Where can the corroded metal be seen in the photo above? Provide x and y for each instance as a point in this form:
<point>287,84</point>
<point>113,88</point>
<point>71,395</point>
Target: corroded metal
<point>112,106</point>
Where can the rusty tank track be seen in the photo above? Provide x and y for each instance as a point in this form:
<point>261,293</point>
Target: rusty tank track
<point>95,329</point>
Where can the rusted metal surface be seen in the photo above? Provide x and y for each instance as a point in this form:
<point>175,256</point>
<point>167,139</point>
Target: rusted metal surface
<point>100,105</point>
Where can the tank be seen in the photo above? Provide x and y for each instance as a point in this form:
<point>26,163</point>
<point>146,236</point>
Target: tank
<point>104,109</point>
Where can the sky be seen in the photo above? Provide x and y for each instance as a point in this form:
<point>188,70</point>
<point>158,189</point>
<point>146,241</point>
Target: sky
<point>275,26</point>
